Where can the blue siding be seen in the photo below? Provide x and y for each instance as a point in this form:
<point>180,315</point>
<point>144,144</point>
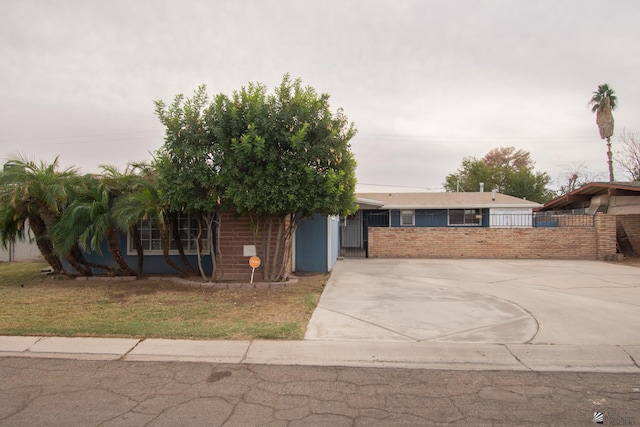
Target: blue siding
<point>311,244</point>
<point>153,264</point>
<point>423,218</point>
<point>433,218</point>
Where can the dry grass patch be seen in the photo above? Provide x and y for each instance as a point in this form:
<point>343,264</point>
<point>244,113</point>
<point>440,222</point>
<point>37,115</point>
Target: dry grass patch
<point>32,304</point>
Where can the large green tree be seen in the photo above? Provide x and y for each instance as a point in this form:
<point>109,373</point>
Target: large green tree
<point>188,166</point>
<point>285,156</point>
<point>506,169</point>
<point>603,102</point>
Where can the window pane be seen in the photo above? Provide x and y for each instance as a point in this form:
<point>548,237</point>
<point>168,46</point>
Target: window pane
<point>456,217</point>
<point>406,217</point>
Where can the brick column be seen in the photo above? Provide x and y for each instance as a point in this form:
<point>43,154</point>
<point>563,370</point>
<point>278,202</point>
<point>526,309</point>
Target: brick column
<point>605,236</point>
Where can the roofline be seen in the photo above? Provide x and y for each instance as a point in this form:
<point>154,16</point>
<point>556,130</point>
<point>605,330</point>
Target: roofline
<point>362,200</point>
<point>465,206</point>
<point>565,199</point>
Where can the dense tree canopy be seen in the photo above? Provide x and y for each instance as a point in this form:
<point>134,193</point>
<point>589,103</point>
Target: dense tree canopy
<point>275,157</point>
<point>504,169</point>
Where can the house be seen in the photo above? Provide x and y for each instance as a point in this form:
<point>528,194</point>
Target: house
<point>21,250</point>
<point>314,247</point>
<point>621,199</point>
<point>616,198</point>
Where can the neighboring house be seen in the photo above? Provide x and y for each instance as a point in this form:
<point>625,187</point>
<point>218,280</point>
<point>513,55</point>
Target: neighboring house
<point>26,250</point>
<point>616,198</point>
<point>621,199</point>
<point>20,251</point>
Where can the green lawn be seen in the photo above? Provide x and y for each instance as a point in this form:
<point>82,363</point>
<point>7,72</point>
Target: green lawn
<point>33,304</point>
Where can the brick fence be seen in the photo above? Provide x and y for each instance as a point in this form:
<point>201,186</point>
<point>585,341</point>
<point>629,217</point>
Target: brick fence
<point>597,242</point>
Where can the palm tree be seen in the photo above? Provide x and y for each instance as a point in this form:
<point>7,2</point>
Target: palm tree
<point>88,221</point>
<point>145,205</point>
<point>603,102</point>
<point>37,193</point>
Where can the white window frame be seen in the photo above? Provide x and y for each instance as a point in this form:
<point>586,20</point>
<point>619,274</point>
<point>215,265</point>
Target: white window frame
<point>153,245</point>
<point>407,212</point>
<point>470,218</point>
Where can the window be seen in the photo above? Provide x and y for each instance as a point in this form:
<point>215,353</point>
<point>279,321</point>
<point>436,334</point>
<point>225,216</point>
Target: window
<point>407,218</point>
<point>152,243</point>
<point>465,217</point>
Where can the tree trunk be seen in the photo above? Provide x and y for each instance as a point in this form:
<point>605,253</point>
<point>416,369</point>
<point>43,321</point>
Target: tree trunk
<point>113,242</point>
<point>177,238</point>
<point>135,235</point>
<point>45,245</point>
<point>199,251</point>
<point>610,159</point>
<point>276,255</point>
<point>164,239</point>
<point>215,247</point>
<point>77,261</point>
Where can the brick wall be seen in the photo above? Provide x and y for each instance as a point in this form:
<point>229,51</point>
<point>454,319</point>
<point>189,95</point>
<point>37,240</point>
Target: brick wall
<point>596,242</point>
<point>235,233</point>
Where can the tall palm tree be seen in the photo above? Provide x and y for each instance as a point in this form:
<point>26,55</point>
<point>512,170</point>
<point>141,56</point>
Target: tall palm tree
<point>603,102</point>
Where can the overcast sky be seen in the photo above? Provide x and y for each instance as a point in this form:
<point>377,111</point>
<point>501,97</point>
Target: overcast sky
<point>425,82</point>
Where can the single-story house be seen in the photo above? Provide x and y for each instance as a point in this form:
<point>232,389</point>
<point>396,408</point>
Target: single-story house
<point>314,246</point>
<point>20,251</point>
<point>621,199</point>
<point>616,198</point>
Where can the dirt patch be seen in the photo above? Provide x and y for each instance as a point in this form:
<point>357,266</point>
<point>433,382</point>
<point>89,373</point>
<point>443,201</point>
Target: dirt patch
<point>630,261</point>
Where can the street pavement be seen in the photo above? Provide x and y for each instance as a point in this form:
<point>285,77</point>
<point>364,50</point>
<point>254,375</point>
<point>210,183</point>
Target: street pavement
<point>514,342</point>
<point>65,392</point>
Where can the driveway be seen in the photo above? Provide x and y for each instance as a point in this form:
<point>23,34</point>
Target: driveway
<point>481,301</point>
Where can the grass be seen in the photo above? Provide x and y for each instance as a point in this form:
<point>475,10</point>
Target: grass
<point>33,304</point>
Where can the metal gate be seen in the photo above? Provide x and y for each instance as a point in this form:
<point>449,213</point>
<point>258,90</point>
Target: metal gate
<point>352,241</point>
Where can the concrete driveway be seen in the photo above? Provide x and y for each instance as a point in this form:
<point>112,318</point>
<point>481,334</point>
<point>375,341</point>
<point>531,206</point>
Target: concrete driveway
<point>480,301</point>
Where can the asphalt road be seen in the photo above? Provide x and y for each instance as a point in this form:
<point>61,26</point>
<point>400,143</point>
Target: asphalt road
<point>62,392</point>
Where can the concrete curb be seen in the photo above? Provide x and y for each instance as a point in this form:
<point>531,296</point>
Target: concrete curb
<point>417,355</point>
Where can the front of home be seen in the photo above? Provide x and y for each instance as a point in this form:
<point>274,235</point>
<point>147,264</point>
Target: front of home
<point>399,225</point>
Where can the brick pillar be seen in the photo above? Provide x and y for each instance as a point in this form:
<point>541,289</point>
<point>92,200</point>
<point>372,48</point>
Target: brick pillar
<point>605,236</point>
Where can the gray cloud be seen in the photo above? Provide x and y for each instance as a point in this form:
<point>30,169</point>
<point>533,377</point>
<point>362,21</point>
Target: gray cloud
<point>426,82</point>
